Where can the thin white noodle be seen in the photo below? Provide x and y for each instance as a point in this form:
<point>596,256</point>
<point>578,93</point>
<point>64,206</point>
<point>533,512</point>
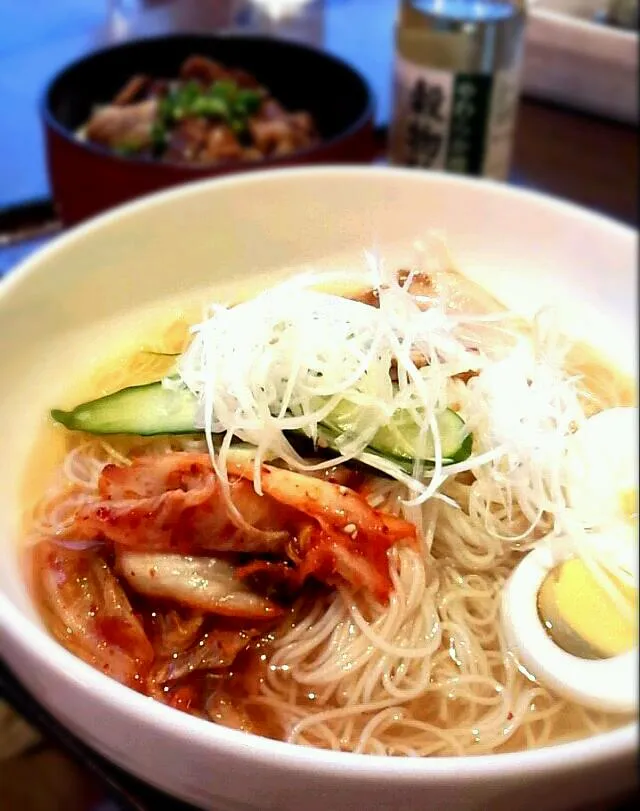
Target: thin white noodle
<point>429,673</point>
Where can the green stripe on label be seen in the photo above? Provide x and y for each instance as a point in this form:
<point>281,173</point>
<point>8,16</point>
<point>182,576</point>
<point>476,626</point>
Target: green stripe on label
<point>468,123</point>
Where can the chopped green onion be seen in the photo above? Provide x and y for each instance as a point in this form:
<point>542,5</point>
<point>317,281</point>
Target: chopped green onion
<point>224,101</point>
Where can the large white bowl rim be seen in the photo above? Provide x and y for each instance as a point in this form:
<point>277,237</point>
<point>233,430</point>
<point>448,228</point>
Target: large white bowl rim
<point>25,633</point>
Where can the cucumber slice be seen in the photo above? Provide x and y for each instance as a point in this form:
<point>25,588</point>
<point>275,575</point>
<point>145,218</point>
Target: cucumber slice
<point>400,438</point>
<point>146,410</point>
<point>154,409</point>
<point>406,464</point>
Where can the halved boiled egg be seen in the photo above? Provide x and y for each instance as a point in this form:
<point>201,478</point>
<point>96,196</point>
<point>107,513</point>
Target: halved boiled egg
<point>601,470</point>
<point>570,609</point>
<point>568,656</point>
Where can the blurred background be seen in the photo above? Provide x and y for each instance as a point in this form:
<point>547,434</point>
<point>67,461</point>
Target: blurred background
<point>566,124</point>
<point>39,37</point>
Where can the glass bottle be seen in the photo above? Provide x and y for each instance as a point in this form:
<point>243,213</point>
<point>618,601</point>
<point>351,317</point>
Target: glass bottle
<point>456,84</point>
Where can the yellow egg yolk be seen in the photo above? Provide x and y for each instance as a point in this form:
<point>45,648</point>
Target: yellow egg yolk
<point>582,617</point>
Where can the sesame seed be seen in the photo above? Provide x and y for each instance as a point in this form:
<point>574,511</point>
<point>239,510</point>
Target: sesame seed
<point>350,529</point>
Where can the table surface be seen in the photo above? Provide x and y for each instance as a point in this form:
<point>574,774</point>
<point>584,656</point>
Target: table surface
<point>577,157</point>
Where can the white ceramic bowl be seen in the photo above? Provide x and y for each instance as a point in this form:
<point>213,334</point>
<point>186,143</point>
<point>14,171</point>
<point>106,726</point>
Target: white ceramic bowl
<point>529,248</point>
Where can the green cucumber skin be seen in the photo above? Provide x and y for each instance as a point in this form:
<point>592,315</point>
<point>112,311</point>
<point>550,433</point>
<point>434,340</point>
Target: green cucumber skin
<point>406,464</point>
<point>154,410</point>
<point>462,454</point>
<point>464,451</point>
<point>452,434</point>
<point>147,410</point>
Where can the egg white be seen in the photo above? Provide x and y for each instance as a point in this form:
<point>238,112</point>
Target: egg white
<point>601,484</point>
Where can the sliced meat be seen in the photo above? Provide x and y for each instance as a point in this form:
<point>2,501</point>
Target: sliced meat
<point>221,144</point>
<point>243,79</point>
<point>449,287</point>
<point>368,296</point>
<point>158,88</point>
<point>203,583</point>
<point>132,90</point>
<point>127,126</point>
<point>187,140</point>
<point>420,285</point>
<point>465,377</point>
<point>302,124</point>
<point>267,135</point>
<point>191,130</point>
<point>272,110</point>
<point>250,153</point>
<point>202,69</point>
<point>457,292</point>
<point>88,611</point>
<point>275,131</point>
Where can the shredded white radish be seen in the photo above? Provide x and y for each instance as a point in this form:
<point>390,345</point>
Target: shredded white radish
<point>283,360</point>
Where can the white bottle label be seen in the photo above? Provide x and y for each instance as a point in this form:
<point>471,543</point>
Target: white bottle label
<point>422,115</point>
<point>453,121</point>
